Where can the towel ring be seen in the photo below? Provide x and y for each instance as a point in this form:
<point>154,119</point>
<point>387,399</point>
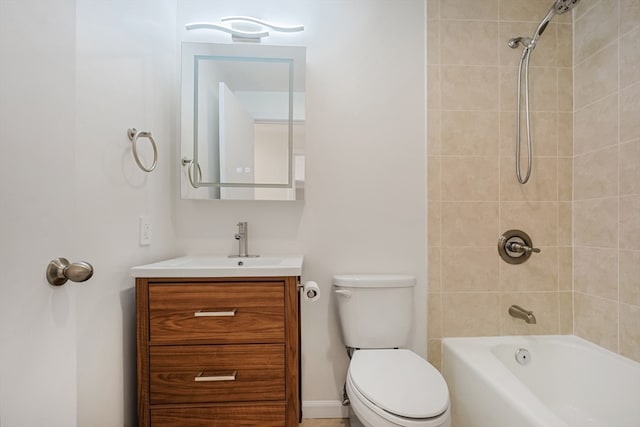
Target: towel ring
<point>134,134</point>
<point>189,164</point>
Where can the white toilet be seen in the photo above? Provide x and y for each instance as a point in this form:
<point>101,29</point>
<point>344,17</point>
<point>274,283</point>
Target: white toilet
<point>387,386</point>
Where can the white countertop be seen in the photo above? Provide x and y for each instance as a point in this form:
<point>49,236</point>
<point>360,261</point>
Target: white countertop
<point>222,266</point>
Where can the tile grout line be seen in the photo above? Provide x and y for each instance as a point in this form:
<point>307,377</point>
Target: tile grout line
<point>440,130</point>
<point>618,180</point>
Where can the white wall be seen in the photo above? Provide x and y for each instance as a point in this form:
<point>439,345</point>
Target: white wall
<point>365,173</point>
<point>125,77</point>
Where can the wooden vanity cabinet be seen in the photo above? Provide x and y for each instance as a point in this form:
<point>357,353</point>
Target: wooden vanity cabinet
<point>218,352</point>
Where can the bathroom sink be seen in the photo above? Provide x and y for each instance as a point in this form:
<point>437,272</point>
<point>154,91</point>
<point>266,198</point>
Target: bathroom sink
<point>222,266</point>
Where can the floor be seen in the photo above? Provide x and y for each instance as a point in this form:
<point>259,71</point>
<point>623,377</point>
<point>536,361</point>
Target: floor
<point>325,422</point>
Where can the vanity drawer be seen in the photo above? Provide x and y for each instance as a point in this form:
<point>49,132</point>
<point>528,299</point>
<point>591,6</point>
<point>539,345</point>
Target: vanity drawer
<point>230,415</point>
<point>216,313</point>
<point>217,373</point>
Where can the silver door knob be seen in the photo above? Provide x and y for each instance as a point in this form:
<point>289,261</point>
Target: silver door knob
<point>60,270</point>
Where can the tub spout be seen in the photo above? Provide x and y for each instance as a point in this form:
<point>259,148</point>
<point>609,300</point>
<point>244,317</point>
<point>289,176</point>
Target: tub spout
<point>520,313</point>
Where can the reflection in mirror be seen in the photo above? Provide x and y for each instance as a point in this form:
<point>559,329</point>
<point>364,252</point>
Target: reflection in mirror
<point>242,122</point>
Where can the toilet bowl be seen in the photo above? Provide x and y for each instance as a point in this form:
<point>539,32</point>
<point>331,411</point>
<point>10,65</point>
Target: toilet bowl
<point>396,387</point>
<point>387,385</point>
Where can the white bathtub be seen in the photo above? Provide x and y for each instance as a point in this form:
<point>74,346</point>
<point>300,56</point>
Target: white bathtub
<point>568,382</point>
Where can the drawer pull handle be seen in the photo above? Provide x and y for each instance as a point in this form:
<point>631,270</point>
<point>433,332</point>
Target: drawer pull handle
<point>201,378</point>
<point>229,313</point>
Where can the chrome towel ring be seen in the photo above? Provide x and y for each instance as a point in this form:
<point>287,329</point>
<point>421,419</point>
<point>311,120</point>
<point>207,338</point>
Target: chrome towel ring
<point>134,134</point>
<point>190,172</point>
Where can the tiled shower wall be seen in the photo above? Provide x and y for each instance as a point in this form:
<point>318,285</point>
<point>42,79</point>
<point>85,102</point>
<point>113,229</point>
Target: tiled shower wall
<point>473,193</point>
<point>607,174</point>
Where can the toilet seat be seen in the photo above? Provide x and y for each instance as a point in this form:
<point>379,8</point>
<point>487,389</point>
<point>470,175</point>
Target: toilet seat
<point>398,387</point>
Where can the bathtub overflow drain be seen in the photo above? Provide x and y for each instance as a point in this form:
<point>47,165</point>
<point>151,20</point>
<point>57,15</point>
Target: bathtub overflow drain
<point>523,356</point>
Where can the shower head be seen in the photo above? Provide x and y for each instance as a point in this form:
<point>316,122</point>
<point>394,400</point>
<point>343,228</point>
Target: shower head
<point>562,6</point>
<point>559,7</point>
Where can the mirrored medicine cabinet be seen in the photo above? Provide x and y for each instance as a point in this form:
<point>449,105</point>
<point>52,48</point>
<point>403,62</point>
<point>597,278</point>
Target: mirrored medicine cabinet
<point>242,122</point>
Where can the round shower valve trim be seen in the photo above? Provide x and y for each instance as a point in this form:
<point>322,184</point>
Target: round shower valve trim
<point>515,247</point>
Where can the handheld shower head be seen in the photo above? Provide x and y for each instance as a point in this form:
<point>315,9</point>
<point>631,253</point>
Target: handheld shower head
<point>558,8</point>
<point>562,6</point>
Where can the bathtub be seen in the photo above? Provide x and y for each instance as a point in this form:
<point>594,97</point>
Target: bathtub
<point>565,381</point>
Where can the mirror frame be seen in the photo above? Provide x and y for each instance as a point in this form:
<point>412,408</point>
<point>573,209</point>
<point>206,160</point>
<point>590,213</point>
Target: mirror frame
<point>191,55</point>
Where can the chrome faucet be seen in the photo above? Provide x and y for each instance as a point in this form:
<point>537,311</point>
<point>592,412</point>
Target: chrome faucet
<point>520,313</point>
<point>242,237</point>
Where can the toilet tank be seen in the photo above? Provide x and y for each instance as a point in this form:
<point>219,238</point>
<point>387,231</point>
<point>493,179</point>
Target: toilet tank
<point>374,310</point>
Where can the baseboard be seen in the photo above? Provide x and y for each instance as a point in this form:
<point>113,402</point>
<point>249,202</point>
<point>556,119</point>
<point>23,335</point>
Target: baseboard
<point>324,409</point>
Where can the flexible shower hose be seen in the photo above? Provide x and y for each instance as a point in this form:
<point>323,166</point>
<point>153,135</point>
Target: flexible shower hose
<point>524,60</point>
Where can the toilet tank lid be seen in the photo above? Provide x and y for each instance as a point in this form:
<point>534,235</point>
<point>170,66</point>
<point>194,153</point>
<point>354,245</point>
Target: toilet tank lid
<point>374,280</point>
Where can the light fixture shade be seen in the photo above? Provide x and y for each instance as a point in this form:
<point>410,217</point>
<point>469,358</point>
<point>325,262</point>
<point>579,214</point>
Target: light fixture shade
<point>280,28</point>
<point>225,29</point>
<point>242,34</point>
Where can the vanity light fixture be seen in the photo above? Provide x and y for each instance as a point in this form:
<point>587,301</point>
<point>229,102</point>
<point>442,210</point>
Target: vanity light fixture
<point>280,28</point>
<point>245,28</point>
<point>236,33</point>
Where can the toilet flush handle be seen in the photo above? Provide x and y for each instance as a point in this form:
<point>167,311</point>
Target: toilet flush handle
<point>345,293</point>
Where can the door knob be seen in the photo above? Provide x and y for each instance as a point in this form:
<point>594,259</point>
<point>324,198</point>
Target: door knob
<point>60,270</point>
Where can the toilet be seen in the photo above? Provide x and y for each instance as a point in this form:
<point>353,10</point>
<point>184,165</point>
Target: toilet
<point>387,385</point>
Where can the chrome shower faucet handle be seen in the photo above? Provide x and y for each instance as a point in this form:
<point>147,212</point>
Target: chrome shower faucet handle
<point>515,247</point>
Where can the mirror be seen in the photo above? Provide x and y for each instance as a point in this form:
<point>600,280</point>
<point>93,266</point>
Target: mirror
<point>242,122</point>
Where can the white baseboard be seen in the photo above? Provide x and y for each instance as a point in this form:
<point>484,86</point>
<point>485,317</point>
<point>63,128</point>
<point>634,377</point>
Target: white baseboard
<point>324,409</point>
